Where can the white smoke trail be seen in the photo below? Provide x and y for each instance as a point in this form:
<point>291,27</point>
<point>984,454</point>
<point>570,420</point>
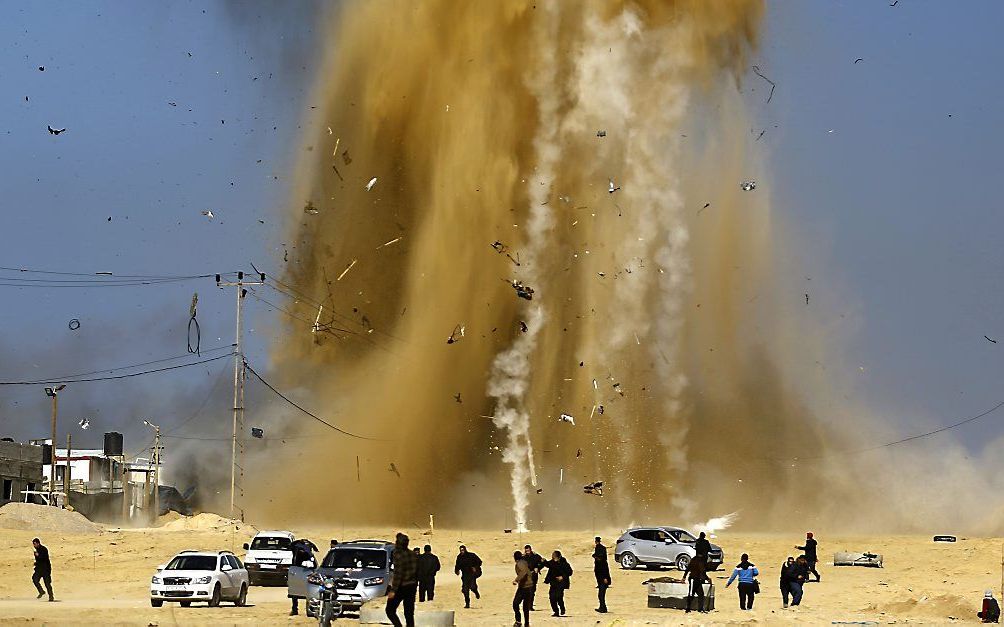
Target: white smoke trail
<point>511,368</point>
<point>717,524</point>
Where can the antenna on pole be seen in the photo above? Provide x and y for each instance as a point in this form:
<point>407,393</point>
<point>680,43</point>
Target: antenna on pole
<point>237,450</point>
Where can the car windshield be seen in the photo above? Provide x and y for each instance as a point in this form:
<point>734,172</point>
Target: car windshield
<point>265,543</point>
<point>355,558</point>
<point>686,537</point>
<point>192,562</point>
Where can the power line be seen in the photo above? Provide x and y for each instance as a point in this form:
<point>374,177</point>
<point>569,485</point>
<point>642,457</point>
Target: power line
<point>108,274</point>
<point>63,378</point>
<point>332,329</point>
<point>121,376</point>
<point>314,416</point>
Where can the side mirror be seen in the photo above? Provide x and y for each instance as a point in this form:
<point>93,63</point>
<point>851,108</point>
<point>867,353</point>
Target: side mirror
<point>226,567</point>
<point>246,546</point>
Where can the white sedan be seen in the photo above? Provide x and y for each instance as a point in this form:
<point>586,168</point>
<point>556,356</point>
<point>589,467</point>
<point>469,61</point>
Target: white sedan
<point>201,577</point>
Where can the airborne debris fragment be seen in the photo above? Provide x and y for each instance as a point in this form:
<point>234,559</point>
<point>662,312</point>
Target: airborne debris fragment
<point>595,488</point>
<point>208,213</point>
<point>756,70</point>
<point>84,423</point>
<point>601,133</point>
<point>567,418</point>
<point>55,131</point>
<point>257,433</point>
<point>612,189</point>
<point>599,409</point>
<point>617,388</point>
<point>393,469</point>
<point>992,340</point>
<point>372,182</point>
<point>523,327</point>
<point>393,241</point>
<point>578,453</point>
<point>457,398</point>
<point>346,270</point>
<point>74,324</point>
<point>748,186</point>
<point>310,208</point>
<point>502,249</point>
<point>522,291</point>
<point>457,335</point>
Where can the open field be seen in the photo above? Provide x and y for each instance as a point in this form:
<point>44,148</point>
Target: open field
<point>103,578</point>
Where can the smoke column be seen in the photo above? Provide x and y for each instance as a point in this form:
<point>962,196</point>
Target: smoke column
<point>651,322</point>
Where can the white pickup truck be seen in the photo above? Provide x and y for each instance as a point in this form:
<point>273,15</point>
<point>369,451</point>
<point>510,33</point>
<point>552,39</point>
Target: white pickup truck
<point>268,558</point>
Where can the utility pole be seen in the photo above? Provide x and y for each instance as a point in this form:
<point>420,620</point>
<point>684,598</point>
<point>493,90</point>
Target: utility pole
<point>156,468</point>
<point>53,393</point>
<point>238,383</point>
<point>66,475</point>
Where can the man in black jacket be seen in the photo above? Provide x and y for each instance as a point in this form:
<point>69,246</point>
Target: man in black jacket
<point>535,562</point>
<point>788,574</point>
<point>559,573</point>
<point>428,566</point>
<point>43,569</point>
<point>602,571</point>
<point>702,546</point>
<point>468,566</point>
<point>697,575</point>
<point>810,553</point>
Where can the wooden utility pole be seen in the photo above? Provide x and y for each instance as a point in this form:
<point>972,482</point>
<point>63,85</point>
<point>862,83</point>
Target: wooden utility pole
<point>125,491</point>
<point>238,408</point>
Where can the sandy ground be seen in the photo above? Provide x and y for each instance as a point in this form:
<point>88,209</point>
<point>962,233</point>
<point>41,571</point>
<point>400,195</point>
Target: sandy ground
<point>103,578</point>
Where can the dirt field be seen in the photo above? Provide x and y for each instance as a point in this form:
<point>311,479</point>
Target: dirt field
<point>103,579</point>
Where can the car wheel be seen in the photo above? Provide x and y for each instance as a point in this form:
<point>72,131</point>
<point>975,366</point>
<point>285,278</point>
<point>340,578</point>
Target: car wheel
<point>186,604</point>
<point>629,561</point>
<point>156,603</point>
<point>242,598</point>
<point>215,601</point>
<point>683,561</point>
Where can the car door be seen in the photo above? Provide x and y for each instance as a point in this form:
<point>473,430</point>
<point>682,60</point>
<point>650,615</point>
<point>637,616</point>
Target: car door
<point>238,576</point>
<point>641,544</point>
<point>226,579</point>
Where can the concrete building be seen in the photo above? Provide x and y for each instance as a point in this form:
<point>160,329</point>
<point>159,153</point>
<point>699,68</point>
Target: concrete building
<point>20,469</point>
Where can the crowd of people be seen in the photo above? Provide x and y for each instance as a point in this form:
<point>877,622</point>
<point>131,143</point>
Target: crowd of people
<point>415,570</point>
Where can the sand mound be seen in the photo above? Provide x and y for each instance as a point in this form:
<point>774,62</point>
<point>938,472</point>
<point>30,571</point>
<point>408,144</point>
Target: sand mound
<point>205,521</point>
<point>938,606</point>
<point>31,517</point>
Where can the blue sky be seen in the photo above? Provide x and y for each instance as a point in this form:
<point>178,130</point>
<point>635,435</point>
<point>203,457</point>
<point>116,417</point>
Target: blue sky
<point>896,213</point>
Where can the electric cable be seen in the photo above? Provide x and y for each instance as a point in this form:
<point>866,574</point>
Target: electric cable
<point>121,376</point>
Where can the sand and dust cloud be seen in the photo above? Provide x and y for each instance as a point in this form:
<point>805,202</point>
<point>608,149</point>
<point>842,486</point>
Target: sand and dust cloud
<point>654,320</point>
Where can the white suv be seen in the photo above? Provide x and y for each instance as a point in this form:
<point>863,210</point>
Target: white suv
<point>200,576</point>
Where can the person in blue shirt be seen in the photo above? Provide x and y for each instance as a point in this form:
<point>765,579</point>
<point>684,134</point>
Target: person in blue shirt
<point>747,573</point>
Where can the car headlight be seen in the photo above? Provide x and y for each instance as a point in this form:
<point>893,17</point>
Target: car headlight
<point>373,581</point>
<point>206,579</point>
<point>155,579</point>
<point>315,578</point>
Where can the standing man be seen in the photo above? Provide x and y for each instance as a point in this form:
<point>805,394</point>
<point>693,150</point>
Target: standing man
<point>524,589</point>
<point>43,569</point>
<point>810,553</point>
<point>403,583</point>
<point>559,574</point>
<point>536,563</point>
<point>788,574</point>
<point>697,574</point>
<point>602,571</point>
<point>428,566</point>
<point>468,566</point>
<point>303,551</point>
<point>702,547</point>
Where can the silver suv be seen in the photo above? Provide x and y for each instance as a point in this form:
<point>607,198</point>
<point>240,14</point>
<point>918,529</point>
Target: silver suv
<point>661,546</point>
<point>361,570</point>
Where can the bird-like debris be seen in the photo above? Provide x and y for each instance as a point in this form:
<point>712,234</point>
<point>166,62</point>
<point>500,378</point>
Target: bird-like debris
<point>257,433</point>
<point>84,423</point>
<point>372,182</point>
<point>522,291</point>
<point>748,186</point>
<point>393,469</point>
<point>457,335</point>
<point>595,488</point>
<point>611,189</point>
<point>567,418</point>
<point>208,213</point>
<point>310,208</point>
<point>55,131</point>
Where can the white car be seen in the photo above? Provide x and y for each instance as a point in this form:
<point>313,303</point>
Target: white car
<point>200,577</point>
<point>268,557</point>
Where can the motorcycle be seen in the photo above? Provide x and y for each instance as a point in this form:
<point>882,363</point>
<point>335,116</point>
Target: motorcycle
<point>328,608</point>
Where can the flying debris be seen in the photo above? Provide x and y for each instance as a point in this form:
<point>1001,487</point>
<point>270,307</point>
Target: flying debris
<point>756,70</point>
<point>523,291</point>
<point>393,241</point>
<point>612,189</point>
<point>595,488</point>
<point>578,453</point>
<point>74,324</point>
<point>257,433</point>
<point>540,490</point>
<point>617,388</point>
<point>601,133</point>
<point>502,249</point>
<point>310,208</point>
<point>806,299</point>
<point>600,410</point>
<point>457,398</point>
<point>748,186</point>
<point>457,335</point>
<point>346,270</point>
<point>393,469</point>
<point>858,59</point>
<point>523,327</point>
<point>372,182</point>
<point>208,214</point>
<point>84,423</point>
<point>567,418</point>
<point>992,340</point>
<point>41,68</point>
<point>55,131</point>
